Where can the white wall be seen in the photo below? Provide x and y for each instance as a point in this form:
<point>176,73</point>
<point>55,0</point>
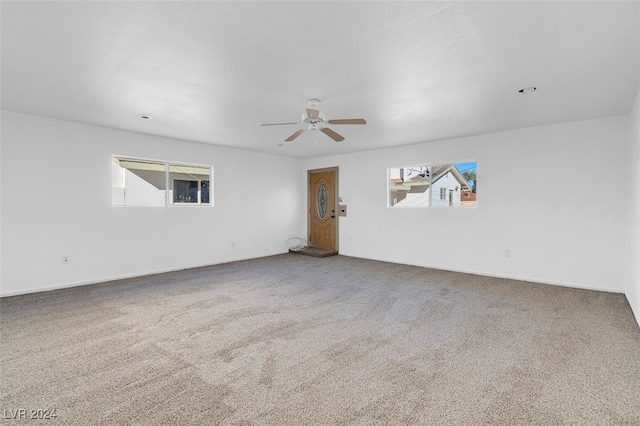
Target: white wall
<point>56,200</point>
<point>556,232</point>
<point>633,213</point>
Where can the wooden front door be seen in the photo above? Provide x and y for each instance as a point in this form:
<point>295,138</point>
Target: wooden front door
<point>323,215</point>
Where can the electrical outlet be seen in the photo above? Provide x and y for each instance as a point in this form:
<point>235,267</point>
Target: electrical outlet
<point>65,259</point>
<point>233,244</point>
<point>507,253</point>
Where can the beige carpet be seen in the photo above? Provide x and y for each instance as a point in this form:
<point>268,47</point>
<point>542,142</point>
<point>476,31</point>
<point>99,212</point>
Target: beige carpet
<point>296,340</point>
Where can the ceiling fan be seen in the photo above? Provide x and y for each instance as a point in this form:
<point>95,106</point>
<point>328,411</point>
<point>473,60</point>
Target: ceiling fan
<point>313,119</point>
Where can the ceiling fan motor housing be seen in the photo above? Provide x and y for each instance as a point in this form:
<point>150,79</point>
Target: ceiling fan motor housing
<point>313,123</point>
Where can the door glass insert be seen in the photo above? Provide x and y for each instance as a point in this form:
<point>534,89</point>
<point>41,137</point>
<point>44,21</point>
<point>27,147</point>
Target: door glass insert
<point>321,200</point>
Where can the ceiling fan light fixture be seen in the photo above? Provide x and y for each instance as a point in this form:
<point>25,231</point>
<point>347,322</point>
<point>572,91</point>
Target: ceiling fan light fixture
<point>313,123</point>
<point>313,119</point>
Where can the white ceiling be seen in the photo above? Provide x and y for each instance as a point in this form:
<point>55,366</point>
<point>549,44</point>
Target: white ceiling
<point>416,71</point>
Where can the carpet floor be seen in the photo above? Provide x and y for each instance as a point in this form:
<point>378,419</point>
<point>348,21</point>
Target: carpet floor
<point>297,340</point>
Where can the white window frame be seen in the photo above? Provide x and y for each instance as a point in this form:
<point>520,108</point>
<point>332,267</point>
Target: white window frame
<point>169,180</point>
<point>445,194</point>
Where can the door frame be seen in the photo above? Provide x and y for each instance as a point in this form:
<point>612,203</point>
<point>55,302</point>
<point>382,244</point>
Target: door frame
<point>337,198</point>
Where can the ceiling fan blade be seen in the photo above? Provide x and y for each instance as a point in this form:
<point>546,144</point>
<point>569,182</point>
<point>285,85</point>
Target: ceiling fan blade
<point>276,124</point>
<point>333,135</point>
<point>313,113</point>
<point>295,135</point>
<point>348,121</point>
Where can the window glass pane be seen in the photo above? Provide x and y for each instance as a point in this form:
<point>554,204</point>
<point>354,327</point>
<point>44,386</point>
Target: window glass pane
<point>190,184</point>
<point>137,183</point>
<point>205,191</point>
<point>410,186</point>
<point>185,191</point>
<point>469,194</point>
<point>435,185</point>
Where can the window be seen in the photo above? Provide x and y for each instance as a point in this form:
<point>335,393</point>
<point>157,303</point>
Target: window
<point>139,182</point>
<point>433,185</point>
<point>189,184</point>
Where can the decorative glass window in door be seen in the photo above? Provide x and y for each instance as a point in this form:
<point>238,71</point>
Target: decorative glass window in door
<point>321,200</point>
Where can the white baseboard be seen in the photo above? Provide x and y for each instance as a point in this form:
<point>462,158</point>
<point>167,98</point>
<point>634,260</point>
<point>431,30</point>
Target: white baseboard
<point>122,277</point>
